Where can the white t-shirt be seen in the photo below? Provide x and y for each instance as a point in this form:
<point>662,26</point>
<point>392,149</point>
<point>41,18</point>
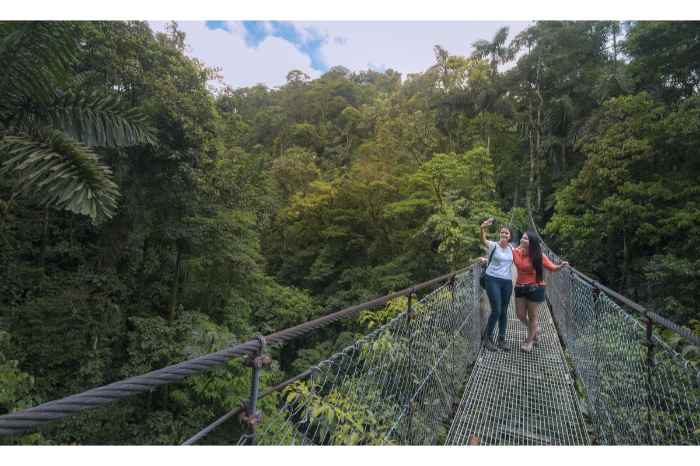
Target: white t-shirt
<point>500,262</point>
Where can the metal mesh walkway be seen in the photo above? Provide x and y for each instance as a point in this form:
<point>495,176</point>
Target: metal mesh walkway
<point>517,398</point>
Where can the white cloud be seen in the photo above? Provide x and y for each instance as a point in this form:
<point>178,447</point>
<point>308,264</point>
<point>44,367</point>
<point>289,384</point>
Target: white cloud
<point>268,63</point>
<point>236,28</point>
<point>406,47</point>
<point>307,33</point>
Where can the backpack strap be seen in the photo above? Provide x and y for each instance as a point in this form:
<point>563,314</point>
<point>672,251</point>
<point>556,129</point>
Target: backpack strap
<point>495,245</point>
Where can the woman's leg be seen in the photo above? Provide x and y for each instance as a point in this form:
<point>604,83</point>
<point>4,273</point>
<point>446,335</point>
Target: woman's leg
<point>494,295</point>
<point>521,309</point>
<point>533,311</point>
<point>506,291</point>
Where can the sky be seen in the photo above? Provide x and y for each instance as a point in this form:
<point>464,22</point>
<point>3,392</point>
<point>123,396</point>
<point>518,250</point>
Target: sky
<point>271,37</point>
<point>251,52</point>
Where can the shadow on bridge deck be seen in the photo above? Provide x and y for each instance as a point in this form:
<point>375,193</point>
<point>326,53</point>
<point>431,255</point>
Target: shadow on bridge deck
<point>517,398</point>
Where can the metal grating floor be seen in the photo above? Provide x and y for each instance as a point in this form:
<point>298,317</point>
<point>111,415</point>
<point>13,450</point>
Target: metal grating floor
<point>516,398</point>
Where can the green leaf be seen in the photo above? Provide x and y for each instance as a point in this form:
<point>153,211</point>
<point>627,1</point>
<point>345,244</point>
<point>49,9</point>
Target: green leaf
<point>291,396</point>
<point>60,173</point>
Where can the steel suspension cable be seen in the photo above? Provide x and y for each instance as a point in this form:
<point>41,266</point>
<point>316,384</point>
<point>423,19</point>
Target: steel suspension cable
<point>28,419</point>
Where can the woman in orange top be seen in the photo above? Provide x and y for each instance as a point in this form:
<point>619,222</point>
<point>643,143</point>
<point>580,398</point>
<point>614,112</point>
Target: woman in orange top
<point>529,286</point>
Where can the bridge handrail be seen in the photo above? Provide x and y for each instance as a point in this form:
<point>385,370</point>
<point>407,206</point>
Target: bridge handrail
<point>27,419</point>
<point>302,375</point>
<point>653,316</point>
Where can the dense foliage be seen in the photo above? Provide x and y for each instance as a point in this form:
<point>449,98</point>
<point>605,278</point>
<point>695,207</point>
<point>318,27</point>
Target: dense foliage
<point>146,218</point>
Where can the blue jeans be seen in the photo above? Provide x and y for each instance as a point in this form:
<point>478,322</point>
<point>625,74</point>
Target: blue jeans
<point>498,291</point>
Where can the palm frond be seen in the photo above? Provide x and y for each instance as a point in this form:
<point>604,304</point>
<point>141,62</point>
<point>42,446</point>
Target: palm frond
<point>35,58</point>
<point>84,78</point>
<point>481,49</point>
<point>499,39</point>
<point>99,120</point>
<point>92,119</point>
<point>59,172</point>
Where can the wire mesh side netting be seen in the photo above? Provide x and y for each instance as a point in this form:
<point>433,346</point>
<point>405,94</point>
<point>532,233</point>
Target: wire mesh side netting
<point>637,394</point>
<point>397,385</point>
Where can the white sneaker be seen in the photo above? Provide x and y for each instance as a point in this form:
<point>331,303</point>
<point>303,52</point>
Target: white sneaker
<point>526,346</point>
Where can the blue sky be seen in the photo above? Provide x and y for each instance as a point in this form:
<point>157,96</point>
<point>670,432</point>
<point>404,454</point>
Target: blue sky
<point>251,52</point>
<point>257,31</point>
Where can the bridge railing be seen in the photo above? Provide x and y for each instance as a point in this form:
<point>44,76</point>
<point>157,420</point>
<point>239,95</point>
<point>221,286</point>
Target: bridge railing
<point>639,390</point>
<point>397,385</point>
<point>31,419</point>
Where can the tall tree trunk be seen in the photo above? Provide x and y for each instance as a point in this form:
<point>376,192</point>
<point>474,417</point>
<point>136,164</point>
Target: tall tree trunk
<point>531,178</point>
<point>485,133</point>
<point>563,157</point>
<point>614,34</point>
<point>176,284</point>
<point>538,143</point>
<point>625,263</point>
<point>145,249</point>
<point>44,238</point>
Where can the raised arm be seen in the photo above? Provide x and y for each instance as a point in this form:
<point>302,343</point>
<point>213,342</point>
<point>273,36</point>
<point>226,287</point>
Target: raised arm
<point>482,231</point>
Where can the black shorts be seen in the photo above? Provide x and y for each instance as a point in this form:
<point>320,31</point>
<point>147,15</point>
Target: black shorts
<point>534,293</point>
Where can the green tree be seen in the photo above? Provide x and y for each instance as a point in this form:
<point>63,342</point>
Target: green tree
<point>635,196</point>
<point>665,57</point>
<point>48,122</point>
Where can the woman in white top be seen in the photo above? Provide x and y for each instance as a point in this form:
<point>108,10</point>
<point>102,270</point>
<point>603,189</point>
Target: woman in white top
<point>499,284</point>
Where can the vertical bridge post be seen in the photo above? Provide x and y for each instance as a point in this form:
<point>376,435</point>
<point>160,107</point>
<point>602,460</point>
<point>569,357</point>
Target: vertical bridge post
<point>250,416</point>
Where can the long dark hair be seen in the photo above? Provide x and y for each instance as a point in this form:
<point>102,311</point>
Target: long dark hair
<point>535,252</point>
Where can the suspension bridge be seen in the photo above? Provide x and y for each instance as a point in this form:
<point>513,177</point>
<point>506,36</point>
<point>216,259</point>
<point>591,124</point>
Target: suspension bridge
<point>599,375</point>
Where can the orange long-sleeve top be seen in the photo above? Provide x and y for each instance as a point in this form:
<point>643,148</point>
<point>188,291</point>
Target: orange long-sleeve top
<point>526,271</point>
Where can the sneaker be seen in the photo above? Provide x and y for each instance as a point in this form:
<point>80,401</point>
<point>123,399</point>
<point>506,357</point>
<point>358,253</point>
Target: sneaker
<point>490,346</point>
<point>501,343</point>
<point>536,338</point>
<point>526,346</point>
